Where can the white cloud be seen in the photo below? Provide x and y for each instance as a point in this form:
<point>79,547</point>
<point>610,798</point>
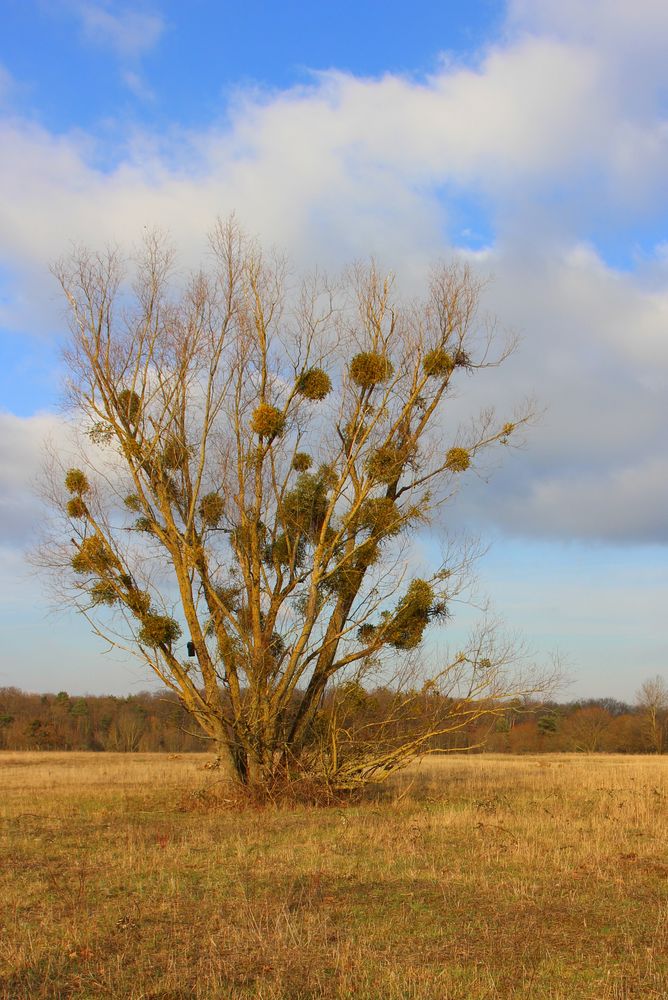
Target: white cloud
<point>22,441</point>
<point>605,23</point>
<point>542,129</point>
<point>129,33</point>
<point>620,502</point>
<point>135,82</point>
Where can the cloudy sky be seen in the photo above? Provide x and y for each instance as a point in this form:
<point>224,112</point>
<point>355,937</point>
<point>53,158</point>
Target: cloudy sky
<point>530,137</point>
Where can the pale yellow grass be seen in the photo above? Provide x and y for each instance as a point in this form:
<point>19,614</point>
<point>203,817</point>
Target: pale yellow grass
<point>466,878</point>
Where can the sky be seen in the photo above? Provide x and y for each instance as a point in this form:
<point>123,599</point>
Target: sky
<point>529,138</point>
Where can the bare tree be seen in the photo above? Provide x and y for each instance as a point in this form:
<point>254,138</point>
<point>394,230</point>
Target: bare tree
<point>254,462</point>
<point>652,699</point>
<point>586,728</point>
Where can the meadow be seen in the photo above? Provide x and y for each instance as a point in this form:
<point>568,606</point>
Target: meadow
<point>467,878</point>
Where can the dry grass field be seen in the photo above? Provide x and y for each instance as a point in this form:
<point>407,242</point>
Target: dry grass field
<point>468,878</point>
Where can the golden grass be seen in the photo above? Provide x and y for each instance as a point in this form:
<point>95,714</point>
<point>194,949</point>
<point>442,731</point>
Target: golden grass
<point>469,878</point>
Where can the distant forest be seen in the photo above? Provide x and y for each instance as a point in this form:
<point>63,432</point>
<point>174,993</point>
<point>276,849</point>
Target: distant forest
<point>154,722</point>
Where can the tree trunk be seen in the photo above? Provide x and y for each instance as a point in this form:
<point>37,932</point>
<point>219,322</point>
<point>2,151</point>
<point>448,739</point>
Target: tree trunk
<point>225,762</point>
<point>255,774</point>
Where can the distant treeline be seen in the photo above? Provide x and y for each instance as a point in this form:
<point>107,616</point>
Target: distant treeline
<point>153,722</point>
<point>146,721</point>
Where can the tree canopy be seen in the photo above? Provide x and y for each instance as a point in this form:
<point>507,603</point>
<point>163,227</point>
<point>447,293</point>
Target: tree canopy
<point>256,456</point>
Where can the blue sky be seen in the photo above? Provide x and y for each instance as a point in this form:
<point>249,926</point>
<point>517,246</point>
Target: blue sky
<point>72,58</point>
<point>530,137</point>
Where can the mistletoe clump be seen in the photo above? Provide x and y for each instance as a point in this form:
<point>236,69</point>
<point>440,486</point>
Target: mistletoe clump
<point>381,516</point>
<point>102,432</point>
<point>138,601</point>
<point>242,537</point>
<point>104,592</point>
<point>94,556</point>
<point>175,454</point>
<point>343,582</point>
<point>302,462</point>
<point>145,524</point>
<point>366,633</point>
<point>369,368</point>
<point>457,460</point>
<point>228,596</point>
<point>76,508</point>
<point>314,384</point>
<point>267,421</point>
<point>438,363</point>
<point>76,482</point>
<point>406,627</point>
<point>385,464</point>
<point>306,505</point>
<point>211,509</point>
<point>328,475</point>
<point>129,405</point>
<point>367,553</point>
<point>284,549</point>
<point>158,630</point>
